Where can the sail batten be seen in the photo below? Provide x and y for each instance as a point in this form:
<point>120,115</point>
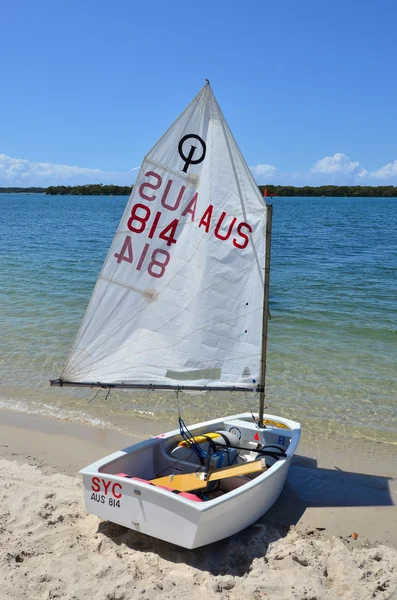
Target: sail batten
<point>180,295</point>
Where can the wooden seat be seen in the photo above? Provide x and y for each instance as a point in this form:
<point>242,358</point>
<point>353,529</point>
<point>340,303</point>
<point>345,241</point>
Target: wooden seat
<point>188,482</point>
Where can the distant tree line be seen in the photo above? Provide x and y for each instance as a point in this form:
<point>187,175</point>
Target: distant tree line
<point>97,189</point>
<point>16,190</point>
<point>336,191</point>
<point>272,190</point>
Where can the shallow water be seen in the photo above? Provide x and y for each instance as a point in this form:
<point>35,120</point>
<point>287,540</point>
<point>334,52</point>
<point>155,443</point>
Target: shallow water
<point>333,300</point>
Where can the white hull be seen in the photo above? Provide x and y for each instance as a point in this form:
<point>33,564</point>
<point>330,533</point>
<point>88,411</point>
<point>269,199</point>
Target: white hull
<point>171,517</point>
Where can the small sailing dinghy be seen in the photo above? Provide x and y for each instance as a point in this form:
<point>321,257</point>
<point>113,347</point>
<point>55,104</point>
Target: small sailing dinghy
<point>181,304</point>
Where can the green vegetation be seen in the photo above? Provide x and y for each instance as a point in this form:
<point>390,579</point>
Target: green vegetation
<point>19,190</point>
<point>98,189</point>
<point>95,189</point>
<point>336,191</point>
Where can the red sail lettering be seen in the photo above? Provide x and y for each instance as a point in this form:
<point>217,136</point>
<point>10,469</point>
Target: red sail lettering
<point>191,207</point>
<point>165,195</point>
<point>150,185</point>
<point>206,218</point>
<point>219,225</point>
<point>243,235</point>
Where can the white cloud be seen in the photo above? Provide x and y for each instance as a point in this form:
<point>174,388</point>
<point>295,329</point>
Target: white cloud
<point>386,172</point>
<point>337,169</point>
<point>340,169</point>
<point>263,173</point>
<point>24,173</point>
<point>338,164</point>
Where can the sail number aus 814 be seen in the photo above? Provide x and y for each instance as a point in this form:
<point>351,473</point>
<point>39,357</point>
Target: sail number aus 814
<point>159,258</point>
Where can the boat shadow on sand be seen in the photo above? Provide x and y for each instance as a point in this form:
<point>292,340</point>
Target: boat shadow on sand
<point>307,486</point>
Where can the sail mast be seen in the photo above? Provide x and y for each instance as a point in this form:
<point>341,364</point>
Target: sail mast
<point>269,213</point>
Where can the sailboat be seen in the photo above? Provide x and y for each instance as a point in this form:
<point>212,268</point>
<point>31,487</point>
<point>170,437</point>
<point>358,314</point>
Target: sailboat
<point>181,304</point>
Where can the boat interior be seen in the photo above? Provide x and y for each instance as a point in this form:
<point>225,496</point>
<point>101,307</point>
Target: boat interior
<point>225,449</point>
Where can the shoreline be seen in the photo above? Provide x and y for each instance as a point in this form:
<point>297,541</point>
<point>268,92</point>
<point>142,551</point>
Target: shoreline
<point>275,191</point>
<point>303,548</point>
<point>340,492</point>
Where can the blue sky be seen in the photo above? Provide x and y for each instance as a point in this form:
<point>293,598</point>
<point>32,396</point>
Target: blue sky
<point>308,88</point>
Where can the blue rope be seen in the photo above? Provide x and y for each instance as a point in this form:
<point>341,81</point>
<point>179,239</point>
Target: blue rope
<point>189,439</point>
<point>187,436</point>
<point>220,454</point>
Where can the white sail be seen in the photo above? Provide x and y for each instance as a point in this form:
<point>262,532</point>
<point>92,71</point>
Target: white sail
<point>179,300</point>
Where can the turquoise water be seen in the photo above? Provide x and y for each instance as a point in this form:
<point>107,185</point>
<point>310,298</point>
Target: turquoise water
<point>332,337</point>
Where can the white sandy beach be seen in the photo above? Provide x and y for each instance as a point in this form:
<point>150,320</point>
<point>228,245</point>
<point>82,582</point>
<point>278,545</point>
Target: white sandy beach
<point>303,549</point>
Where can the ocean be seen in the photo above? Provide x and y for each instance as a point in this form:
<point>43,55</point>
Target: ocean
<point>332,349</point>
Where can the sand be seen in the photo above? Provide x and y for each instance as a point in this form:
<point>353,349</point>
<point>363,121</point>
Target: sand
<point>302,549</point>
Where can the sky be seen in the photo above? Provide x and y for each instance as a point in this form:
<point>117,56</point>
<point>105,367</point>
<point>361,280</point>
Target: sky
<point>308,88</point>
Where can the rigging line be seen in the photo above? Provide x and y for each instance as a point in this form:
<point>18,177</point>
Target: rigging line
<point>249,407</point>
<point>92,399</point>
<point>193,105</point>
<point>189,438</point>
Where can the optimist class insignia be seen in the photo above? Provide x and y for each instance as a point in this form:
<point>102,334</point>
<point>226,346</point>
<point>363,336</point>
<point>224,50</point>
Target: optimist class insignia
<point>189,160</point>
